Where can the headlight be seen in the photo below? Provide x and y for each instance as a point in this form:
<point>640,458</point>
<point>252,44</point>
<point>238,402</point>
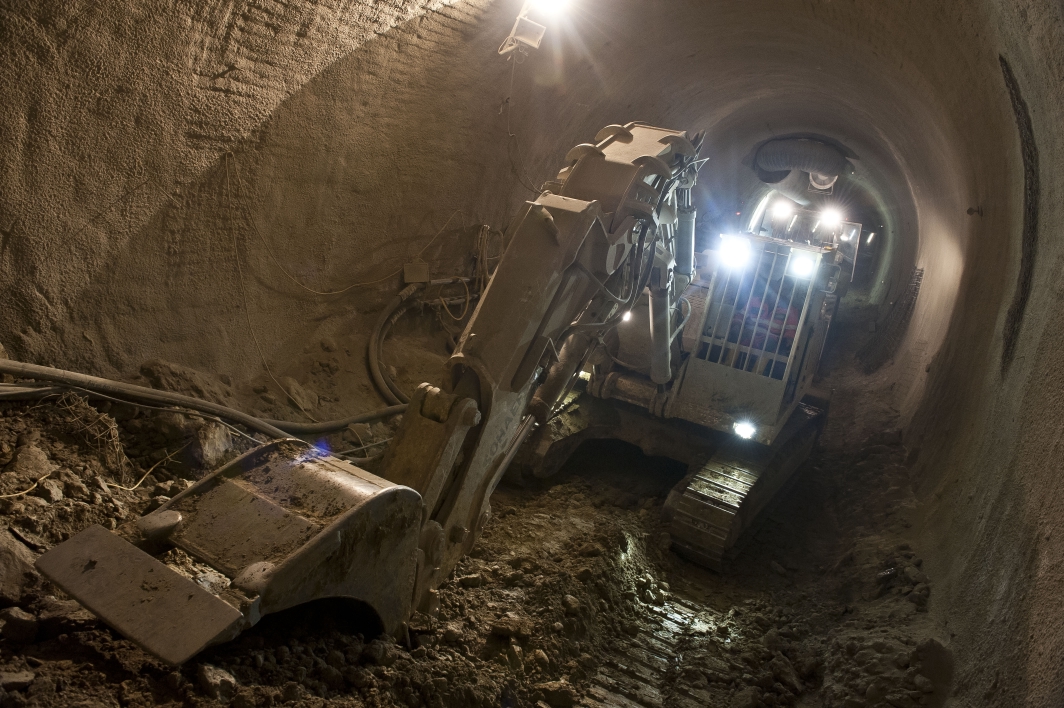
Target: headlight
<point>626,316</point>
<point>745,429</point>
<point>782,209</point>
<point>831,218</point>
<point>734,252</point>
<point>802,265</point>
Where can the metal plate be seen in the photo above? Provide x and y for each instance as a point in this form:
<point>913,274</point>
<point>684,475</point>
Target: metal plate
<point>165,613</point>
<point>230,527</point>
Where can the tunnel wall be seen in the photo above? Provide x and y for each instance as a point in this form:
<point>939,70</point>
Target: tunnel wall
<point>991,450</point>
<point>145,145</point>
<point>125,129</point>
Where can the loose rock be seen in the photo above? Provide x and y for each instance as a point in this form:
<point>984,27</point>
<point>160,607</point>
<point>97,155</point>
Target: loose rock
<point>63,617</point>
<point>16,568</point>
<point>748,697</point>
<point>558,694</point>
<point>50,490</point>
<point>216,683</point>
<point>19,626</point>
<point>512,626</point>
<point>304,398</point>
<point>17,680</point>
<point>471,581</point>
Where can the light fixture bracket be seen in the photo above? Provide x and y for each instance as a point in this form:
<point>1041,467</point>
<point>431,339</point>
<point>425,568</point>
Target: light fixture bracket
<point>525,33</point>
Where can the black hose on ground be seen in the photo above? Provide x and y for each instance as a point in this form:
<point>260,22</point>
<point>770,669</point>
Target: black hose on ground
<point>331,426</point>
<point>136,393</point>
<point>29,391</point>
<point>391,393</point>
<point>273,428</point>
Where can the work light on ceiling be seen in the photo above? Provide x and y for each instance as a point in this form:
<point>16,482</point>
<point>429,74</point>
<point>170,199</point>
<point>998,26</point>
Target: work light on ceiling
<point>529,33</point>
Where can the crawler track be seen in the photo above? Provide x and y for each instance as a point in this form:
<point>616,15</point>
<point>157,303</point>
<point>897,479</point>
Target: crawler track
<point>711,507</point>
<point>639,674</point>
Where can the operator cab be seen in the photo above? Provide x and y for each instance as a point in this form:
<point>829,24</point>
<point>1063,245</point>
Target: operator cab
<point>780,219</point>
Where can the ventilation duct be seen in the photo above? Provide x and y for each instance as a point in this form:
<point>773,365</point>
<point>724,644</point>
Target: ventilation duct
<point>792,165</point>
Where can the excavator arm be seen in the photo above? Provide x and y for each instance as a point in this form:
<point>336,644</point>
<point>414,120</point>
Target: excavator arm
<point>287,524</point>
<point>576,261</point>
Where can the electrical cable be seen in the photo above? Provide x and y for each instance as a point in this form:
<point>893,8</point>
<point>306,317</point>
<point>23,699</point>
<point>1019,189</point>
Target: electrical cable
<point>28,490</point>
<point>512,143</point>
<point>363,460</point>
<point>392,313</point>
<point>152,468</point>
<point>465,307</point>
<point>28,391</point>
<point>172,409</point>
<point>363,447</point>
<point>395,317</point>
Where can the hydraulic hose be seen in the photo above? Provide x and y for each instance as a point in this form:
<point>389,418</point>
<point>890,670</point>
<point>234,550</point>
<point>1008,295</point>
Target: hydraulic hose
<point>137,393</point>
<point>390,393</point>
<point>395,309</point>
<point>388,324</point>
<point>331,426</point>
<point>274,428</point>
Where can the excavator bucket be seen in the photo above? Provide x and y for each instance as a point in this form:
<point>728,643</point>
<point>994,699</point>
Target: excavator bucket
<point>282,525</point>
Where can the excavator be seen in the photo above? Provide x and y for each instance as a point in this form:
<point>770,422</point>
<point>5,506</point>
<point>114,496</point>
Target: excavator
<point>600,320</point>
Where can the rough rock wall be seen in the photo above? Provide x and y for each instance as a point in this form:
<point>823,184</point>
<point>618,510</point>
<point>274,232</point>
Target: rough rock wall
<point>117,115</point>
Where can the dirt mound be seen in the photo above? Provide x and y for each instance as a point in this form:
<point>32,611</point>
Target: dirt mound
<point>167,376</point>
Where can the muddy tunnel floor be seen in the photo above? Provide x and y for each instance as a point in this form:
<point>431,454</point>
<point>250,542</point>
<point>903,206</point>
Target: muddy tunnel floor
<point>572,597</point>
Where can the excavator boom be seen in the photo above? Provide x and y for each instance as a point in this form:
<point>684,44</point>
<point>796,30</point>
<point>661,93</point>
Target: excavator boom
<point>287,524</point>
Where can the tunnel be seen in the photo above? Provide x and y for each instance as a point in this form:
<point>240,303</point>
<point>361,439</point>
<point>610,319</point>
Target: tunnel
<point>219,183</point>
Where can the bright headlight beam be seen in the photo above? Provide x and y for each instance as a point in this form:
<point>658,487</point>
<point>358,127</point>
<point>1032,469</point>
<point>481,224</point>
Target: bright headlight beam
<point>802,266</point>
<point>782,209</point>
<point>734,252</point>
<point>831,218</point>
<point>626,316</point>
<point>744,429</point>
